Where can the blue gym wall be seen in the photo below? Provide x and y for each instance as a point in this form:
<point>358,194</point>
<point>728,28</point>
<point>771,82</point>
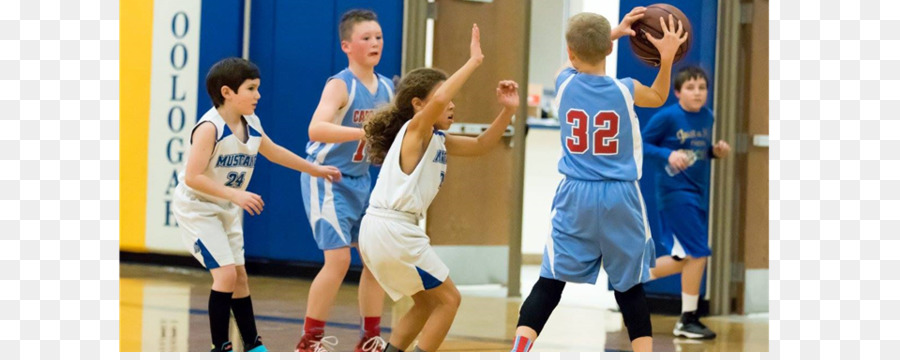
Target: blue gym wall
<point>702,14</point>
<point>221,33</point>
<point>296,46</point>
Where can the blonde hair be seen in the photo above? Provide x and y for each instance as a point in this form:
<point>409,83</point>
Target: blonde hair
<point>382,126</point>
<point>587,36</point>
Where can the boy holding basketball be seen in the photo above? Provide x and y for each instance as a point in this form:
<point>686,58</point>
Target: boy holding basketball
<point>598,211</point>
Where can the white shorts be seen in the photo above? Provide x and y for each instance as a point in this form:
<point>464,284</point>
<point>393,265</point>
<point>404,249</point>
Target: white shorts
<point>399,254</point>
<point>212,232</point>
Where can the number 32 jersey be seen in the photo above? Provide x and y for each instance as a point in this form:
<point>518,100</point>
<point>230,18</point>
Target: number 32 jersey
<point>232,160</point>
<point>599,129</point>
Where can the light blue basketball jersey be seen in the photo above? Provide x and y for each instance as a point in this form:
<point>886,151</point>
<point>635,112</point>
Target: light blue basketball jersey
<point>350,157</point>
<point>599,129</point>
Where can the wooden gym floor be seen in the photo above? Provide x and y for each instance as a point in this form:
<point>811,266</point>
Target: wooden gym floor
<point>164,309</point>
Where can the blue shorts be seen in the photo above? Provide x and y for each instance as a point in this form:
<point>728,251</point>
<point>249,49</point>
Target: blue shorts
<point>337,208</point>
<point>594,220</point>
<point>685,231</point>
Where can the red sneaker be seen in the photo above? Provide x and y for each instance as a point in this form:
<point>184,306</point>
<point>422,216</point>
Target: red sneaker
<point>311,344</point>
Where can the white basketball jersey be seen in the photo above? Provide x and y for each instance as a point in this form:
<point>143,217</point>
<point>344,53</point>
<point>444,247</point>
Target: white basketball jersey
<point>411,193</point>
<point>232,160</point>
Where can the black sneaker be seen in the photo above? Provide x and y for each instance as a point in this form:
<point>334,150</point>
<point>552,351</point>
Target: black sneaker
<point>689,326</point>
<point>226,347</point>
<point>256,346</point>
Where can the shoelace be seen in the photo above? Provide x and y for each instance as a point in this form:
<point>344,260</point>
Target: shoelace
<point>325,344</point>
<point>374,344</point>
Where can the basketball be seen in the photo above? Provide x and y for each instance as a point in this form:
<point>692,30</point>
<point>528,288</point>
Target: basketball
<point>643,48</point>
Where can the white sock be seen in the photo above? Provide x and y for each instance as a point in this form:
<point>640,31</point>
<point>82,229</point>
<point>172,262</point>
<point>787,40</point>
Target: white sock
<point>689,302</point>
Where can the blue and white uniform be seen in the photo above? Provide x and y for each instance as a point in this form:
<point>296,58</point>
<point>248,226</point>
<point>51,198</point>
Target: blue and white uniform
<point>334,210</point>
<point>393,246</point>
<point>684,197</point>
<point>211,227</point>
<point>598,211</point>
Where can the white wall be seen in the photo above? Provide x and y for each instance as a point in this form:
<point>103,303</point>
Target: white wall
<point>542,151</point>
<point>547,44</point>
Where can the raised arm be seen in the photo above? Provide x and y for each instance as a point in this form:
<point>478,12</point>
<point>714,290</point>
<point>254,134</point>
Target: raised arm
<point>508,96</point>
<point>423,122</point>
<point>656,94</point>
<point>322,128</point>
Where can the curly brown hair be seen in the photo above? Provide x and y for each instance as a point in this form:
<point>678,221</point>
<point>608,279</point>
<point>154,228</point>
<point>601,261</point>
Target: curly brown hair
<point>382,126</point>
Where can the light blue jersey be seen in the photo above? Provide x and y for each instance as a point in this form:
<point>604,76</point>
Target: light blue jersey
<point>350,157</point>
<point>598,211</point>
<point>599,129</point>
<point>335,210</point>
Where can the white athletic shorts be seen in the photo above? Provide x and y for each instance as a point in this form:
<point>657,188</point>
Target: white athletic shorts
<point>399,254</point>
<point>212,232</point>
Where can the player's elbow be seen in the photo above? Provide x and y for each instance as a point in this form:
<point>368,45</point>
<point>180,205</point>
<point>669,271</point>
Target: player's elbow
<point>190,180</point>
<point>654,101</point>
<point>316,133</point>
<point>484,146</point>
<point>662,98</point>
<point>441,98</point>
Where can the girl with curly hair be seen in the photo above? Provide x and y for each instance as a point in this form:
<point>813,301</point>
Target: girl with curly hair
<point>407,138</point>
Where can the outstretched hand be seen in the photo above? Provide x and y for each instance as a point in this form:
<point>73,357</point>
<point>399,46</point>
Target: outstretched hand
<point>672,38</point>
<point>329,173</point>
<point>508,94</point>
<point>624,27</point>
<point>475,45</point>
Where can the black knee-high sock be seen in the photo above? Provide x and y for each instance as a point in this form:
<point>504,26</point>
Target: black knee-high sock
<point>243,315</point>
<point>540,303</point>
<point>219,314</point>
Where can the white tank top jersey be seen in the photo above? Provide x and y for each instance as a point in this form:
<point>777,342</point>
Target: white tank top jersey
<point>413,193</point>
<point>232,160</point>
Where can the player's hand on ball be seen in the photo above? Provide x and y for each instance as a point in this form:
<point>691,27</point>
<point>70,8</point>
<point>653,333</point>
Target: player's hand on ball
<point>475,46</point>
<point>671,40</point>
<point>721,149</point>
<point>330,173</point>
<point>678,160</point>
<point>248,201</point>
<point>624,27</point>
<point>508,94</point>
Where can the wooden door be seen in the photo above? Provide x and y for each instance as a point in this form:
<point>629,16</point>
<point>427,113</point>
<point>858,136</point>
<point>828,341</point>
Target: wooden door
<point>480,202</point>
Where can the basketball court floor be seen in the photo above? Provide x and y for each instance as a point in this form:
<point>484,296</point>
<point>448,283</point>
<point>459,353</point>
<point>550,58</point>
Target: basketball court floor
<point>164,309</point>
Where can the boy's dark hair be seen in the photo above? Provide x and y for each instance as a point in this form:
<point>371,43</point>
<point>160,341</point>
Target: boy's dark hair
<point>690,73</point>
<point>231,72</point>
<point>351,18</point>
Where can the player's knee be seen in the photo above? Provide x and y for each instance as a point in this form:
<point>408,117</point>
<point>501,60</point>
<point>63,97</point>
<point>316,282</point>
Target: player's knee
<point>241,279</point>
<point>224,277</point>
<point>450,297</point>
<point>338,259</point>
<point>240,274</point>
<point>635,312</point>
<point>544,297</point>
<point>454,299</point>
